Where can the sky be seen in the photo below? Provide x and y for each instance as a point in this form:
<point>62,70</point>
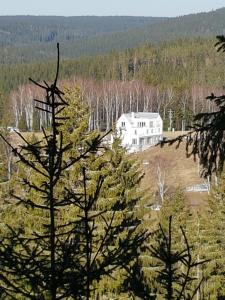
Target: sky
<point>164,8</point>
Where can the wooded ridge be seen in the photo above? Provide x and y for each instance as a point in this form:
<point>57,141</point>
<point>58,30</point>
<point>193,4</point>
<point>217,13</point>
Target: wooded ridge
<point>25,39</point>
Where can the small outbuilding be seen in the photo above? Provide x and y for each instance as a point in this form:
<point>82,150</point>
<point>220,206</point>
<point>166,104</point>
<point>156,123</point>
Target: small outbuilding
<point>140,130</point>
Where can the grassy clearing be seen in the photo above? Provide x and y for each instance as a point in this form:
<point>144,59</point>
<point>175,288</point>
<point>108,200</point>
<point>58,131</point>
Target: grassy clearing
<point>177,170</point>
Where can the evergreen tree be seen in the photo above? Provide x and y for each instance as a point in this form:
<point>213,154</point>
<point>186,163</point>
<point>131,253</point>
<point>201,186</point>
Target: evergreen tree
<point>172,263</point>
<point>215,249</point>
<point>78,240</point>
<point>120,190</point>
<point>176,265</point>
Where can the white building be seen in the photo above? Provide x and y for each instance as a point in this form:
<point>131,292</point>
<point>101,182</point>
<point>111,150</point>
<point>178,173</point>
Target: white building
<point>139,131</point>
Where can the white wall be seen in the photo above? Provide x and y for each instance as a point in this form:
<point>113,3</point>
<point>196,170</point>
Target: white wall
<point>132,132</point>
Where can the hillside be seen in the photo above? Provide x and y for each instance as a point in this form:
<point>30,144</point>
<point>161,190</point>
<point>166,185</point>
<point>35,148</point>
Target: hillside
<point>177,171</point>
<point>26,39</point>
<point>33,38</point>
<point>16,30</point>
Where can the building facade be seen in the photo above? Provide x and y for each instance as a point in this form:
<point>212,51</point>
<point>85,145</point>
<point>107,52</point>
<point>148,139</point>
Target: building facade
<point>139,131</point>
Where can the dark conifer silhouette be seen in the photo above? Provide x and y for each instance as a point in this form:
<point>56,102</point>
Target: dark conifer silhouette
<point>136,284</point>
<point>176,266</point>
<point>64,259</point>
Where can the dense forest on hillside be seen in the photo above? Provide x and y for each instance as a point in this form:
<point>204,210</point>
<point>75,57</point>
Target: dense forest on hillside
<point>46,29</point>
<point>30,38</point>
<point>25,39</point>
<point>176,75</point>
<point>83,207</point>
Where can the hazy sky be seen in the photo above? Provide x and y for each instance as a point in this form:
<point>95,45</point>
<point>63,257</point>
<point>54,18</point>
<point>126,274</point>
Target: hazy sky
<point>107,7</point>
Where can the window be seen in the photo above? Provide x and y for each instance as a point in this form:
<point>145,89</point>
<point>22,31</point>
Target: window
<point>122,124</point>
<point>151,124</point>
<point>158,129</point>
<point>134,141</point>
<point>147,131</point>
<point>141,124</point>
<point>135,131</point>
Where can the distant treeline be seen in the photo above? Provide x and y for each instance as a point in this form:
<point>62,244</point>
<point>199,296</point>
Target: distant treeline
<point>26,39</point>
<point>34,29</point>
<point>177,75</point>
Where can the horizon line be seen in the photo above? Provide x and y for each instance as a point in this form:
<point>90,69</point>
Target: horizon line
<point>116,15</point>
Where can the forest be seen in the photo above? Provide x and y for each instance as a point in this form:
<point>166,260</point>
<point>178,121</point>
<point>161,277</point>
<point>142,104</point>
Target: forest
<point>77,222</point>
<point>27,39</point>
<point>175,75</point>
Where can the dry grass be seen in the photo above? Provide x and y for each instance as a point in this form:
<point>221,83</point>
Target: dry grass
<point>177,170</point>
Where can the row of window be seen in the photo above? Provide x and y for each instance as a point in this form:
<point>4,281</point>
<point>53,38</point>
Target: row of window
<point>146,141</point>
<point>151,124</point>
<point>149,131</point>
<point>142,124</point>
